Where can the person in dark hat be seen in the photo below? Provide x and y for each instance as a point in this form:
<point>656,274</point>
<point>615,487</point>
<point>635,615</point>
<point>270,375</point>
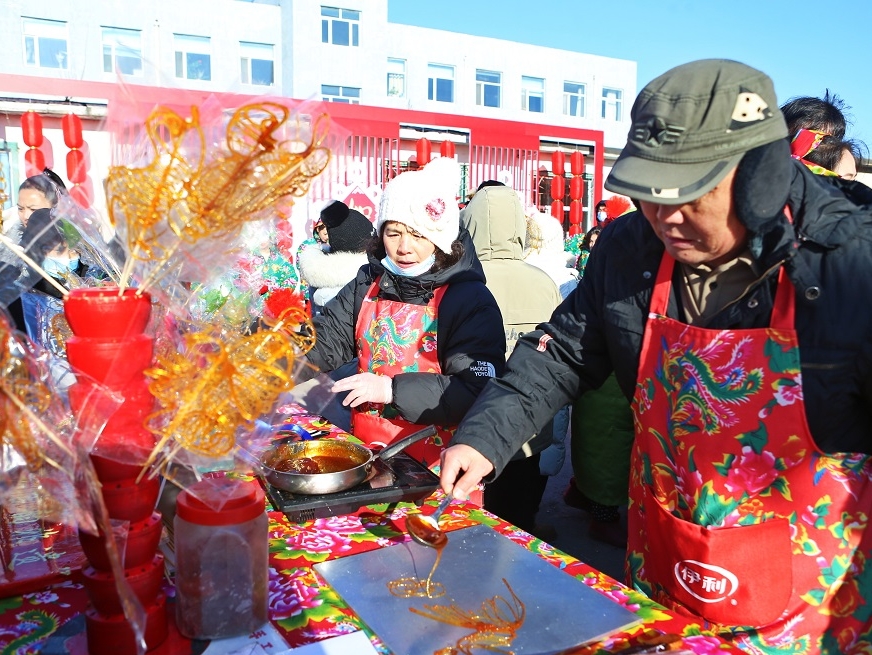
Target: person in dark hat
<point>327,271</point>
<point>732,310</point>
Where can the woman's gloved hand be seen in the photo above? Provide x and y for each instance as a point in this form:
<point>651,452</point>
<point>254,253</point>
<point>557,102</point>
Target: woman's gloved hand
<point>365,388</point>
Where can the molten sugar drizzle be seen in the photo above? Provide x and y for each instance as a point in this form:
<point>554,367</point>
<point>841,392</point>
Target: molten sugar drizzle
<point>496,624</point>
<point>411,587</point>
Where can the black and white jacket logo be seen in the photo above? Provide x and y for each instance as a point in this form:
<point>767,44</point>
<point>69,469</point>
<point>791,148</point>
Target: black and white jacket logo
<point>483,369</point>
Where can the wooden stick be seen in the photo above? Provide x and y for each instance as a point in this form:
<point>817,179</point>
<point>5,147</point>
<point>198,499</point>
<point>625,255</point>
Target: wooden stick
<point>18,251</point>
<point>127,270</point>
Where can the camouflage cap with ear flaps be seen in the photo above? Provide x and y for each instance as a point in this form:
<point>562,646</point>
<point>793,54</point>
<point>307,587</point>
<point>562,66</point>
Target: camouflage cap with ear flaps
<point>692,126</point>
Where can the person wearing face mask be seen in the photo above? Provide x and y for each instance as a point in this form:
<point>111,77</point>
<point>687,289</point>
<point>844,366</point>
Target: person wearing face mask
<point>427,333</point>
<point>36,192</point>
<point>601,214</point>
<point>46,245</point>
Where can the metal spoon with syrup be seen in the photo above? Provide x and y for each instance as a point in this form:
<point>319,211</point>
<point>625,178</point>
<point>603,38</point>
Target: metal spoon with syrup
<point>425,529</point>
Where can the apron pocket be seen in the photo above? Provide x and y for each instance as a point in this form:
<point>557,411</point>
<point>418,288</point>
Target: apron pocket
<point>737,576</point>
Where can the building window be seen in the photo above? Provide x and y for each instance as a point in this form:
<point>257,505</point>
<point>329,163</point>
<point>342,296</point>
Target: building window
<point>256,61</point>
<point>350,95</point>
<point>487,88</point>
<point>440,83</point>
<point>612,101</point>
<point>533,94</point>
<point>193,58</point>
<point>396,78</point>
<point>45,43</point>
<point>340,26</point>
<point>122,51</point>
<point>573,99</point>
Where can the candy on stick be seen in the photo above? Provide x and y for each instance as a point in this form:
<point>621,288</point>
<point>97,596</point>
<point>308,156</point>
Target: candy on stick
<point>218,383</point>
<point>25,401</point>
<point>40,441</point>
<point>192,190</point>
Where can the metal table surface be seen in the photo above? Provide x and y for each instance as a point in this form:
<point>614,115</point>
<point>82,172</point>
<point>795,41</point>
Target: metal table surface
<point>561,611</point>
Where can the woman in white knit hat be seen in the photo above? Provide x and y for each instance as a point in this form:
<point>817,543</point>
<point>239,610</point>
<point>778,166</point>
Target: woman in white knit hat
<point>427,332</point>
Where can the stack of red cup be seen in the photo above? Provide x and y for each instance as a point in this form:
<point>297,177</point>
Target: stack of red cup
<point>109,351</point>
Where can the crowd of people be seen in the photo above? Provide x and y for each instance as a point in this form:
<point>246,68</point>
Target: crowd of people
<point>703,351</point>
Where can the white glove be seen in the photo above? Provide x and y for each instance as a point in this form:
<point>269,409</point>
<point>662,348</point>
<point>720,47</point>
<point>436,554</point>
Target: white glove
<point>365,388</point>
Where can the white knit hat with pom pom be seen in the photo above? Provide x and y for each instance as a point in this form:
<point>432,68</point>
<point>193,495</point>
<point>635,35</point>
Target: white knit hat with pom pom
<point>425,201</point>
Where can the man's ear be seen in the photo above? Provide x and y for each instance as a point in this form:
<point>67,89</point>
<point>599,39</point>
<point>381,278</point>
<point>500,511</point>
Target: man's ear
<point>762,185</point>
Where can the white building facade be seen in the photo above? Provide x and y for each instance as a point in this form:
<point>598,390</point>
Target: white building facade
<point>59,52</point>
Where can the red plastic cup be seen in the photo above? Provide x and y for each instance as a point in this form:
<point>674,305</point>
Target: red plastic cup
<point>145,582</point>
<point>128,501</point>
<point>112,363</point>
<point>112,635</point>
<point>115,464</point>
<point>118,410</point>
<point>138,548</point>
<point>129,449</point>
<point>100,312</point>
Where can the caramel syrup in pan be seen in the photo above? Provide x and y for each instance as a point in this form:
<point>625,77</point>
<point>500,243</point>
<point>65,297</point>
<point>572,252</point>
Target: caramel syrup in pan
<point>314,464</point>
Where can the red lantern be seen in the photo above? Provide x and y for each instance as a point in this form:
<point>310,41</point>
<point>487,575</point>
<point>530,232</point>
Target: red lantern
<point>558,162</point>
<point>35,162</point>
<point>72,126</point>
<point>574,229</point>
<point>576,163</point>
<point>81,193</point>
<point>558,188</point>
<point>446,149</point>
<point>575,212</point>
<point>557,210</point>
<point>576,187</point>
<point>423,150</point>
<point>31,127</point>
<point>77,167</point>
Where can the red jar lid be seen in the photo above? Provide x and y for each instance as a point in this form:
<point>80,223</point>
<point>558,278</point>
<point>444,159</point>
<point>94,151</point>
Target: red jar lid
<point>220,501</point>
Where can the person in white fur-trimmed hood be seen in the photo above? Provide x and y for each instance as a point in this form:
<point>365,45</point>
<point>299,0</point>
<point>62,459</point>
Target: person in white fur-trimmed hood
<point>328,270</point>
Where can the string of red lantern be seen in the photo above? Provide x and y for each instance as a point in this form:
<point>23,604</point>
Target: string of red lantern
<point>31,129</point>
<point>576,192</point>
<point>77,163</point>
<point>558,188</point>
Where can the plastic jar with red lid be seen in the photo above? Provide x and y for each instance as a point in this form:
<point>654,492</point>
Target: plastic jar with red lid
<point>222,569</point>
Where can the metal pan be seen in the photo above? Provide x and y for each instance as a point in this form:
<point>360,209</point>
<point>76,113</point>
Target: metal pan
<point>345,464</point>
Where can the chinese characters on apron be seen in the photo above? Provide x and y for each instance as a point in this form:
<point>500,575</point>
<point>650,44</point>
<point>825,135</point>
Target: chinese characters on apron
<point>735,515</point>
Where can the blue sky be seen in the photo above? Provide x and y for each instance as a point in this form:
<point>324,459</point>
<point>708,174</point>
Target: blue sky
<point>806,47</point>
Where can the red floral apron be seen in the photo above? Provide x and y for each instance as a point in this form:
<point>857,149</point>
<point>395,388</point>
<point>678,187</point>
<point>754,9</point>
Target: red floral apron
<point>735,515</point>
<point>396,337</point>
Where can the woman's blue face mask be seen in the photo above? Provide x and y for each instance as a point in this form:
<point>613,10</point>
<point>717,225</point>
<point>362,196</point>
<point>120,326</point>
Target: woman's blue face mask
<point>58,266</point>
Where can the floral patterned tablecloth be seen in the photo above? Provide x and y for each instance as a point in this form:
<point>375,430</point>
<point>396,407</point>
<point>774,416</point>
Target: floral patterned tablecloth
<point>304,608</point>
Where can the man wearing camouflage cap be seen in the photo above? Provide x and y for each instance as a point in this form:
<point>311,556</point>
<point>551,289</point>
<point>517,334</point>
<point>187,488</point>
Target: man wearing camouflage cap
<point>733,308</point>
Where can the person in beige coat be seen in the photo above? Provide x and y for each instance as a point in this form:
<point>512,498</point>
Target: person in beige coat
<point>526,296</point>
